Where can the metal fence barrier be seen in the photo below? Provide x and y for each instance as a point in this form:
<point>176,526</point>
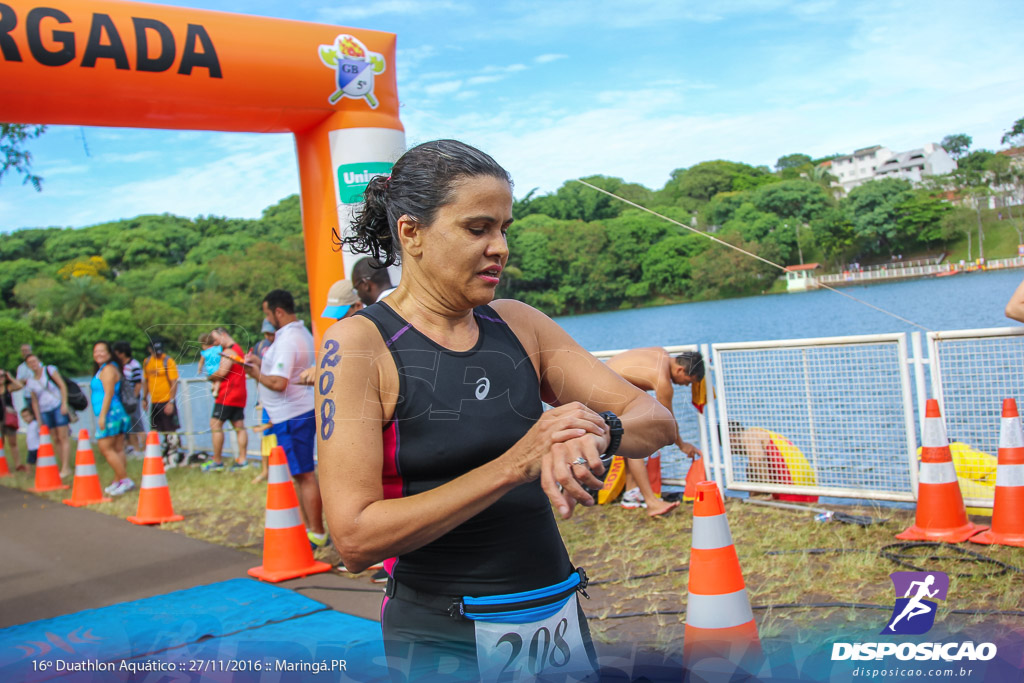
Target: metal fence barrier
<point>972,371</point>
<point>827,416</point>
<point>843,405</point>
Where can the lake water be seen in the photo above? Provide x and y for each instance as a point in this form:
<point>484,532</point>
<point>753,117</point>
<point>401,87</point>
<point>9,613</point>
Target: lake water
<point>966,301</point>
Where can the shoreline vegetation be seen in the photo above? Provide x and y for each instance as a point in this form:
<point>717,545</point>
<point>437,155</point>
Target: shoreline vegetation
<point>573,251</point>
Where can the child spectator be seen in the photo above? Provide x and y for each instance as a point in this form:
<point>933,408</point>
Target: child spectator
<point>31,435</point>
<point>210,358</point>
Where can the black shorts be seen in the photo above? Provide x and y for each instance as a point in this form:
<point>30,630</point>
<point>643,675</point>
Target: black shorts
<point>161,421</point>
<point>230,414</point>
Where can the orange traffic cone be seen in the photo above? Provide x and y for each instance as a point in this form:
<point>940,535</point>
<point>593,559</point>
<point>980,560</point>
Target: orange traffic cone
<point>154,497</point>
<point>694,476</point>
<point>47,474</point>
<point>940,506</point>
<point>5,471</point>
<point>1008,507</point>
<point>719,621</point>
<point>87,489</point>
<point>286,551</point>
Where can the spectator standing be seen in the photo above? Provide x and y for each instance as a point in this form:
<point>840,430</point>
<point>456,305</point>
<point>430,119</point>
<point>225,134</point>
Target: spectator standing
<point>342,302</point>
<point>112,421</point>
<point>31,435</point>
<point>159,388</point>
<point>371,280</point>
<point>290,404</point>
<point>9,419</point>
<point>49,396</point>
<point>268,440</point>
<point>22,373</point>
<point>132,371</point>
<point>229,404</point>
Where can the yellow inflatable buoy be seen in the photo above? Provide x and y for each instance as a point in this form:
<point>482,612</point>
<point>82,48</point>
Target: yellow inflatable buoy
<point>976,472</point>
<point>614,482</point>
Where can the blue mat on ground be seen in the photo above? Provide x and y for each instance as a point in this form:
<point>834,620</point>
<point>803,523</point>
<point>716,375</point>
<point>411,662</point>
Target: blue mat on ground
<point>233,630</point>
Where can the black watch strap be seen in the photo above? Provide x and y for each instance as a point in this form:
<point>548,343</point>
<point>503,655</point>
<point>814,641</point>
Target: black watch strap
<point>615,426</point>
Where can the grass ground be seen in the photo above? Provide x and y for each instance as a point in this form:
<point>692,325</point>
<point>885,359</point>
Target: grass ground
<point>614,544</point>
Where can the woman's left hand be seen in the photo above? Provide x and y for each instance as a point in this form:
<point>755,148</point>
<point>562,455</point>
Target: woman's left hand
<point>563,474</point>
<point>63,408</point>
<point>102,422</point>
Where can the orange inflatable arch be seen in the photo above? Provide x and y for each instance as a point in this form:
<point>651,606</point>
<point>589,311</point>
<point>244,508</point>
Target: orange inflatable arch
<point>106,63</point>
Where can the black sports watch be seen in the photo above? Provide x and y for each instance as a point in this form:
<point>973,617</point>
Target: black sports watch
<point>615,426</point>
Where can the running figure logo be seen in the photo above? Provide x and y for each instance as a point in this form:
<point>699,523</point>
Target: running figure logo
<point>354,66</point>
<point>914,614</point>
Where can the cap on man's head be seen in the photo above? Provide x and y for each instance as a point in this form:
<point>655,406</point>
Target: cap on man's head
<point>340,297</point>
<point>158,347</point>
<point>267,327</point>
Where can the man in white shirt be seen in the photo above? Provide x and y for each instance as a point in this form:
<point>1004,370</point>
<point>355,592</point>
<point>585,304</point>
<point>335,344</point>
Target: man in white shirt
<point>290,404</point>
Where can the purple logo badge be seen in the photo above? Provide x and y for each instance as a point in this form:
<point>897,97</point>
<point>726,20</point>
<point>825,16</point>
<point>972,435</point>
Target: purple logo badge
<point>916,592</point>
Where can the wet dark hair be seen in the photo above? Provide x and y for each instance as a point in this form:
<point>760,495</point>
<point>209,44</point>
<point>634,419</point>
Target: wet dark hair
<point>693,362</point>
<point>421,182</point>
<point>282,299</point>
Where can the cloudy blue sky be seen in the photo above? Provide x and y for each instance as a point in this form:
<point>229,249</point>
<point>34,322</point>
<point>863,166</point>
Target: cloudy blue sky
<point>560,89</point>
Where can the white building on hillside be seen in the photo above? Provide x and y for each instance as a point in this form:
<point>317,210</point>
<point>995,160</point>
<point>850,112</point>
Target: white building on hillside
<point>917,163</point>
<point>874,163</point>
<point>858,168</point>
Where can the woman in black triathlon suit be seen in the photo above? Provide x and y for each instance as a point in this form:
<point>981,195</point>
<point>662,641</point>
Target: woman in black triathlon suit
<point>436,455</point>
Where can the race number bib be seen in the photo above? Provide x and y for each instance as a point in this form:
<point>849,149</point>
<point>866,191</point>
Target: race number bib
<point>520,652</point>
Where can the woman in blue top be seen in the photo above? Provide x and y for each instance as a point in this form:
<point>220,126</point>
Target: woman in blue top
<point>112,422</point>
<point>436,456</point>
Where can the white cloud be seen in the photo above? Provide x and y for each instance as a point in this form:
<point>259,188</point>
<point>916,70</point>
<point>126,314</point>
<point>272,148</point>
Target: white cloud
<point>127,158</point>
<point>479,80</point>
<point>442,88</point>
<point>241,184</point>
<point>548,58</point>
<point>61,169</point>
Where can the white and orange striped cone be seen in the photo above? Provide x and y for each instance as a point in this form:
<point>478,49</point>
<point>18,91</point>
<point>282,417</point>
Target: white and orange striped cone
<point>1008,507</point>
<point>940,505</point>
<point>87,489</point>
<point>5,470</point>
<point>47,474</point>
<point>719,621</point>
<point>286,551</point>
<point>154,496</point>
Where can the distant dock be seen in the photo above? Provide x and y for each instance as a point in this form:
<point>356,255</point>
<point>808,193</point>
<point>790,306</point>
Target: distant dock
<point>899,270</point>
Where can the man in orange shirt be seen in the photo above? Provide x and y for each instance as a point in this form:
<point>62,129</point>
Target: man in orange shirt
<point>159,387</point>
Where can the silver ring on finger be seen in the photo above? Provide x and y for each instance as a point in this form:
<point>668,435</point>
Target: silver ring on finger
<point>579,461</point>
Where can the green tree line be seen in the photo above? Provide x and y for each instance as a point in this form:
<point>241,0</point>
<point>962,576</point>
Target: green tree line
<point>574,250</point>
<point>158,276</point>
<point>577,250</point>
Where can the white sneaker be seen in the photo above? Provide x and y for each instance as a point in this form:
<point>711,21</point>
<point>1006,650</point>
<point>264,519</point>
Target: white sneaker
<point>123,486</point>
<point>113,485</point>
<point>633,499</point>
